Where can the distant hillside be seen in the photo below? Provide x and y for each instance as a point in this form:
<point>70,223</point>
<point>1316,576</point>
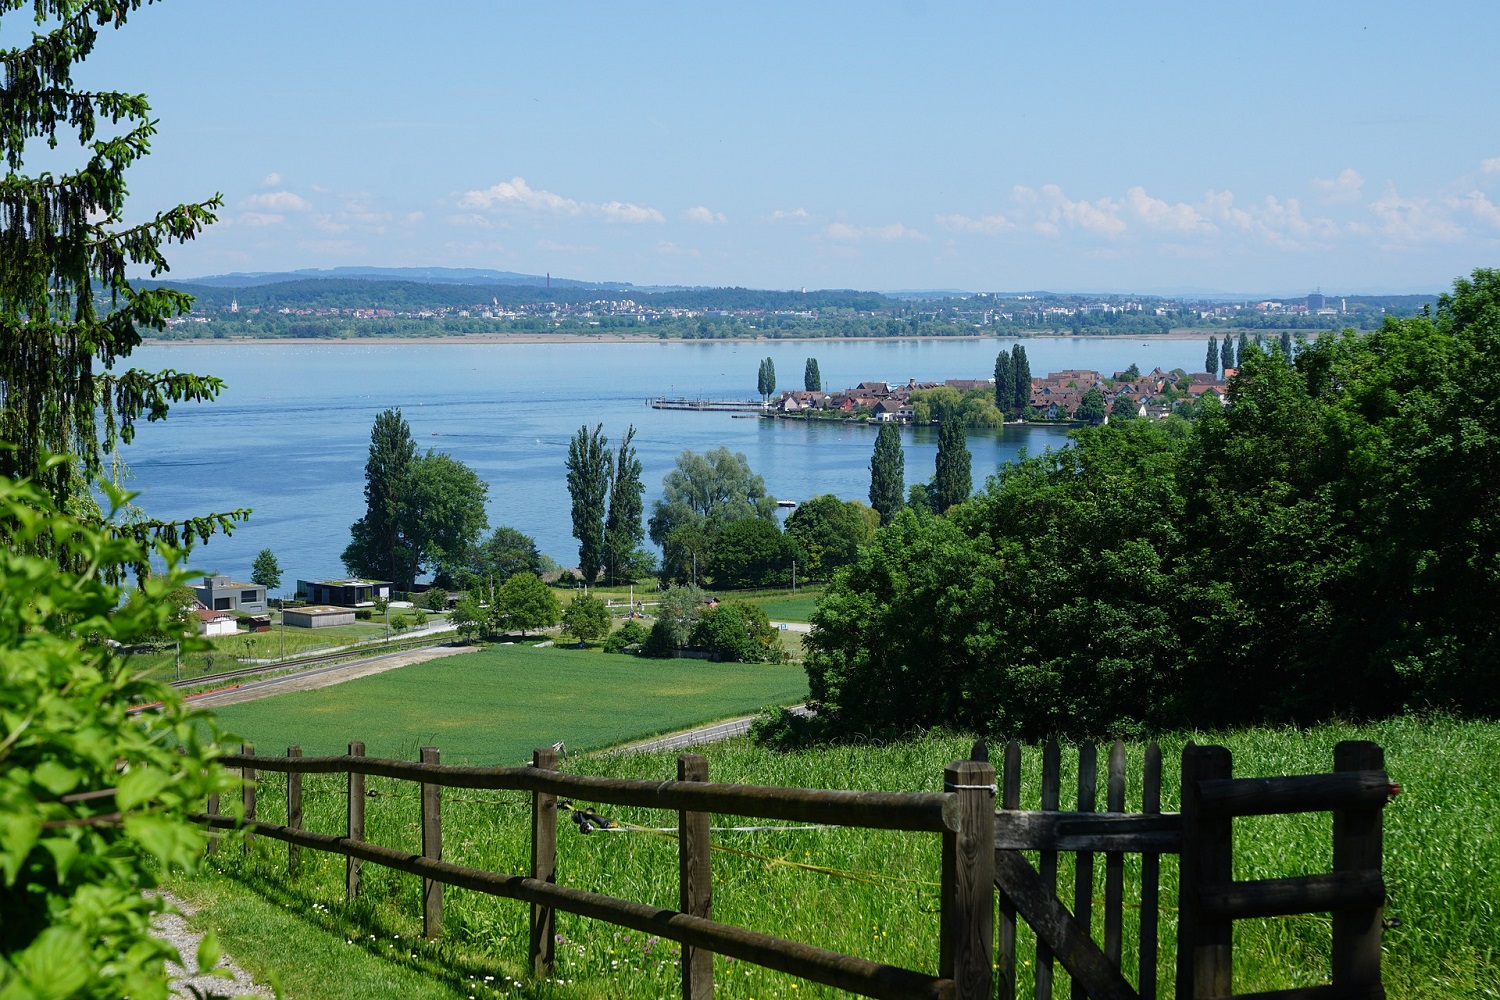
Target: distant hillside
<point>402,296</point>
<point>425,275</point>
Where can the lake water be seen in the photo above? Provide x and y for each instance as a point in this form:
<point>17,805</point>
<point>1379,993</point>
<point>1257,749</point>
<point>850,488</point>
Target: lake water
<point>290,435</point>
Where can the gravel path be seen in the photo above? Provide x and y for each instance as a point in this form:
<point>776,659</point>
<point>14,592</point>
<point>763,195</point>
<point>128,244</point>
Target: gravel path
<point>322,677</point>
<point>173,928</point>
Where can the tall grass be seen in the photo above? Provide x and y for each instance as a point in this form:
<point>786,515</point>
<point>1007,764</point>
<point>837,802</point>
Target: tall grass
<point>879,898</point>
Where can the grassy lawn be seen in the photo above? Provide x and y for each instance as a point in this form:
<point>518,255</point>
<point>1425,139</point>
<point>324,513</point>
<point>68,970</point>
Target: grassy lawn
<point>494,706</point>
<point>1442,858</point>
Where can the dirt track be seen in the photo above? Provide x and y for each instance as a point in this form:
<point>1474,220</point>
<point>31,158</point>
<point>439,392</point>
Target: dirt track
<point>326,676</point>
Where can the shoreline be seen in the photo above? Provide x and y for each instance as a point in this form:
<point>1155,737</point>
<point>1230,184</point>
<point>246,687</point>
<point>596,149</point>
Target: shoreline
<point>623,338</point>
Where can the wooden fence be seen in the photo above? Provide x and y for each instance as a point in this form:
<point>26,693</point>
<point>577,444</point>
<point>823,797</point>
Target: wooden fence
<point>982,852</point>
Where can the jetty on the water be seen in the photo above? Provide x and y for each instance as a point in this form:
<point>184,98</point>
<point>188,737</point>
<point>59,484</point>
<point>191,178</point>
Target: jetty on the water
<point>718,405</point>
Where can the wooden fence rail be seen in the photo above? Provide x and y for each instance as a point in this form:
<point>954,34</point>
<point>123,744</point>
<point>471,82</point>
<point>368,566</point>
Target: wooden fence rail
<point>983,850</point>
<point>964,815</point>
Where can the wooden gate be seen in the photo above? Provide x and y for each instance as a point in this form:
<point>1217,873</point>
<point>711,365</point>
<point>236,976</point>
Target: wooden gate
<point>1209,900</point>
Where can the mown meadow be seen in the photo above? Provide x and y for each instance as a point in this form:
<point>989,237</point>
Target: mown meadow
<point>494,705</point>
<point>863,892</point>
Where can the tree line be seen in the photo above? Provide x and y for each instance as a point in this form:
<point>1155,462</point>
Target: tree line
<point>1323,546</point>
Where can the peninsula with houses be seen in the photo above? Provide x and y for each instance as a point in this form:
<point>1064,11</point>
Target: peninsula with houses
<point>1054,397</point>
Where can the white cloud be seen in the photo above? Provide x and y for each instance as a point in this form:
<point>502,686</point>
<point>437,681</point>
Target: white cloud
<point>795,215</point>
<point>704,216</point>
<point>990,225</point>
<point>1181,217</point>
<point>1483,209</point>
<point>1343,188</point>
<point>1057,209</point>
<point>669,249</point>
<point>843,233</point>
<point>277,201</point>
<point>1491,166</point>
<point>273,179</point>
<point>1414,220</point>
<point>261,219</point>
<point>624,211</point>
<point>516,193</point>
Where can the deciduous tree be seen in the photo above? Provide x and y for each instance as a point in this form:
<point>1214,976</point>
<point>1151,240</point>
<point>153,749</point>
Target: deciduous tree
<point>887,473</point>
<point>812,379</point>
<point>1020,370</point>
<point>525,603</point>
<point>1211,359</point>
<point>625,560</point>
<point>1091,406</point>
<point>422,512</point>
<point>954,480</point>
<point>702,494</point>
<point>588,485</point>
<point>1005,383</point>
<point>586,618</point>
<point>828,532</point>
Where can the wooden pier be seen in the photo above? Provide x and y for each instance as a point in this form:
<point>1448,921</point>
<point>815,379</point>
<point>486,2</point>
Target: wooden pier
<point>715,405</point>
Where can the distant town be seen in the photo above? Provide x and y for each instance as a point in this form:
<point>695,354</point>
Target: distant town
<point>347,308</point>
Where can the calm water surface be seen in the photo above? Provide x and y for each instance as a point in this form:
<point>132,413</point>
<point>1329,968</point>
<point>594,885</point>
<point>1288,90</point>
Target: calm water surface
<point>290,435</point>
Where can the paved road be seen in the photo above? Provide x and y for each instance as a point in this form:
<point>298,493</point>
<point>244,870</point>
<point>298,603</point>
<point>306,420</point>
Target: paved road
<point>697,737</point>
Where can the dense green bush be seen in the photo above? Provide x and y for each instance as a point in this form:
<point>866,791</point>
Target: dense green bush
<point>93,801</point>
<point>629,634</point>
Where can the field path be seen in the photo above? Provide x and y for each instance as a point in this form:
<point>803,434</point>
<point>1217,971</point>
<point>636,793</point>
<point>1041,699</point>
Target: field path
<point>321,677</point>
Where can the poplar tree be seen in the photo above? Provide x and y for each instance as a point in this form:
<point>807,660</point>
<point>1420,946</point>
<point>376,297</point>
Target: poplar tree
<point>1005,383</point>
<point>623,531</point>
<point>1239,355</point>
<point>766,382</point>
<point>68,316</point>
<point>588,485</point>
<point>887,473</point>
<point>812,379</point>
<point>1211,359</point>
<point>1286,343</point>
<point>1226,353</point>
<point>1020,373</point>
<point>954,480</point>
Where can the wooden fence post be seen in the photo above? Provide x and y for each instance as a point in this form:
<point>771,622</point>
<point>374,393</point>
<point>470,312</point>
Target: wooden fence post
<point>543,863</point>
<point>1114,861</point>
<point>1150,876</point>
<point>1005,959</point>
<point>293,810</point>
<point>355,829</point>
<point>1047,866</point>
<point>212,809</point>
<point>968,893</point>
<point>1205,959</point>
<point>247,773</point>
<point>432,848</point>
<point>1083,861</point>
<point>1357,847</point>
<point>695,881</point>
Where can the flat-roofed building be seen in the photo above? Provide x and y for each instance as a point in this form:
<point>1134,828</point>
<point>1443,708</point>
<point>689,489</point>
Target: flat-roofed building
<point>220,593</point>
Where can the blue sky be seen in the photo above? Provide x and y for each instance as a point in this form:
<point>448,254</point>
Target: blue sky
<point>1264,148</point>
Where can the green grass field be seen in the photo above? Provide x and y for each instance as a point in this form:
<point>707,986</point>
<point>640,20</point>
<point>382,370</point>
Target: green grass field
<point>1442,863</point>
<point>495,705</point>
